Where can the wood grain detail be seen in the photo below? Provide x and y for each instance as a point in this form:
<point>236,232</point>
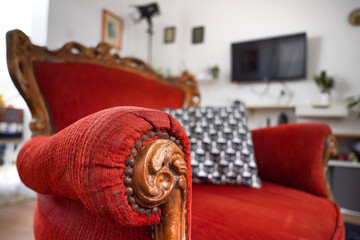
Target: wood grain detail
<point>330,150</point>
<point>159,179</point>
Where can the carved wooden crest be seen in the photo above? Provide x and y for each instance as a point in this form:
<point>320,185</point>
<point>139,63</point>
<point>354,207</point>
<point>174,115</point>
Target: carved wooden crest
<point>21,54</point>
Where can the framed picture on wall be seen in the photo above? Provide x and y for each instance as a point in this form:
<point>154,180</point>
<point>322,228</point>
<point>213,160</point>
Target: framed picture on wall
<point>198,35</point>
<point>169,35</point>
<point>112,29</point>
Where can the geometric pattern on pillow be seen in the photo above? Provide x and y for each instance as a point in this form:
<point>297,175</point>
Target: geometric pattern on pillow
<point>221,144</point>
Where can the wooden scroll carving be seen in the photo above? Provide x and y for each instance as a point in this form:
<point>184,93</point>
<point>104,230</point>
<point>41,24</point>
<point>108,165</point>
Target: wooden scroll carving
<point>21,54</point>
<point>330,150</point>
<point>159,179</point>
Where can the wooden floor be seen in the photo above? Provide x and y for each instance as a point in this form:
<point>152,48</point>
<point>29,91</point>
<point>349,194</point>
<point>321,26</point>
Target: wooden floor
<point>16,221</point>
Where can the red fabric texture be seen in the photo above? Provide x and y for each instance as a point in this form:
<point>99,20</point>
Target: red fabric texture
<point>219,212</point>
<point>85,162</point>
<point>100,87</point>
<point>291,155</point>
<point>272,212</point>
<point>65,219</point>
<point>79,170</point>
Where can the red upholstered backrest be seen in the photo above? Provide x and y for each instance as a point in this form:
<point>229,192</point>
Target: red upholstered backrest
<point>292,155</point>
<point>75,90</point>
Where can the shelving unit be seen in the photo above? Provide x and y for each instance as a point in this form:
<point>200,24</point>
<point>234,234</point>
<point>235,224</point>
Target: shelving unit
<point>333,111</point>
<point>344,181</point>
<point>271,107</point>
<point>345,164</point>
<point>258,114</point>
<point>302,110</point>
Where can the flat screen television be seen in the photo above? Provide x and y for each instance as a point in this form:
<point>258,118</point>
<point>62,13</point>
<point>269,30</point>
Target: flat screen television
<point>278,58</point>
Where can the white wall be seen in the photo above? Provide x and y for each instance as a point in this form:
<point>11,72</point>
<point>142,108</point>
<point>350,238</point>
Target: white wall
<point>11,16</point>
<point>333,44</point>
<point>31,18</point>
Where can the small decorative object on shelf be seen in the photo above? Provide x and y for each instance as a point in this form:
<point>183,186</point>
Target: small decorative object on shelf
<point>283,118</point>
<point>326,84</point>
<point>11,123</point>
<point>356,149</point>
<point>354,103</point>
<point>354,17</point>
<point>215,72</point>
<point>352,158</point>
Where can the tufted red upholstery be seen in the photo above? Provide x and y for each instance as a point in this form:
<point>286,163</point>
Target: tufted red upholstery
<point>75,90</point>
<point>85,162</point>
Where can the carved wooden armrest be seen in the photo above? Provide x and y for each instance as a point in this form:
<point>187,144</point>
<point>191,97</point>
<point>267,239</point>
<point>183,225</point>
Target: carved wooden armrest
<point>156,177</point>
<point>330,150</point>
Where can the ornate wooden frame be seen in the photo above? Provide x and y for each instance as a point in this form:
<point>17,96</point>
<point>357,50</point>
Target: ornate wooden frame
<point>159,178</point>
<point>330,150</point>
<point>21,55</point>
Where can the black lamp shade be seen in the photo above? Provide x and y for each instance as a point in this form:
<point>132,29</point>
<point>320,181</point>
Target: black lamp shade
<point>149,10</point>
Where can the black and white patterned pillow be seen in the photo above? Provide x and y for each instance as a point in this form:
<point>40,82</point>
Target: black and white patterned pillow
<point>221,144</point>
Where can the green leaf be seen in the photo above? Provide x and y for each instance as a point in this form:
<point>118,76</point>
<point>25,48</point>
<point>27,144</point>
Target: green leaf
<point>352,104</point>
<point>324,82</point>
<point>351,99</point>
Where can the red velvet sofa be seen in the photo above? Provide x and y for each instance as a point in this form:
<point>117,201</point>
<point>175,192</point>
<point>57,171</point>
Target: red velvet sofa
<point>108,172</point>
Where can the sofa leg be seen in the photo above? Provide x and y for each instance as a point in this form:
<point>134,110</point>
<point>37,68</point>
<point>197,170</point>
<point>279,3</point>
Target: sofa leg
<point>159,179</point>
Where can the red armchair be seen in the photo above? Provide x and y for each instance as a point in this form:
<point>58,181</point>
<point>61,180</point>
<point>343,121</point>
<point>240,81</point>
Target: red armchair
<point>293,201</point>
<point>124,172</point>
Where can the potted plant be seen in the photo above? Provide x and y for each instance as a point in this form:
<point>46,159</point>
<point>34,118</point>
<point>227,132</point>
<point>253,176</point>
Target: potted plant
<point>326,84</point>
<point>354,103</point>
<point>215,72</point>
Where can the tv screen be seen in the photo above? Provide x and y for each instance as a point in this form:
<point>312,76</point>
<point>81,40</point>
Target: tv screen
<point>279,58</point>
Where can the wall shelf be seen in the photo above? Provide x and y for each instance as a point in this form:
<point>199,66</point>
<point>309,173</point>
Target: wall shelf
<point>333,111</point>
<point>346,164</point>
<point>269,107</point>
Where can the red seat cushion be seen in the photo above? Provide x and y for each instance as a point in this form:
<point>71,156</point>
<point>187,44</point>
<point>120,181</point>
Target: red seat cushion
<point>273,212</point>
<point>218,212</point>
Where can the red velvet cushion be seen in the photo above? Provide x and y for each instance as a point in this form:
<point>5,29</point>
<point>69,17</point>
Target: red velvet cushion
<point>75,90</point>
<point>272,212</point>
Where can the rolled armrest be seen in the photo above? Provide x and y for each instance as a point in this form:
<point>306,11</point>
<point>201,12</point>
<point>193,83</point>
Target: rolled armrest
<point>98,159</point>
<point>295,155</point>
